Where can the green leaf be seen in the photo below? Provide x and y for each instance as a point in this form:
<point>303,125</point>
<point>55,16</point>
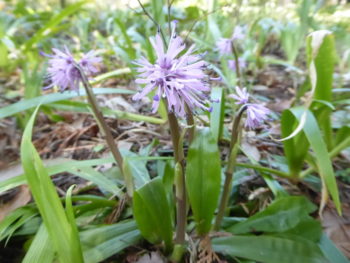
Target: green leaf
<point>78,106</point>
<point>152,212</point>
<point>283,214</point>
<point>66,165</point>
<point>296,148</point>
<point>203,177</point>
<point>217,114</point>
<point>46,29</point>
<point>72,222</point>
<point>47,200</point>
<point>323,161</point>
<point>41,249</point>
<point>15,220</point>
<point>102,242</point>
<point>321,60</point>
<point>97,178</point>
<point>269,249</point>
<point>331,252</point>
<point>321,50</point>
<point>53,97</point>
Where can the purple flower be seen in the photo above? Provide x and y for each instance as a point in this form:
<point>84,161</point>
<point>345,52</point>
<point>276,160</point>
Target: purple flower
<point>241,62</point>
<point>62,68</point>
<point>242,96</point>
<point>238,33</point>
<point>224,45</point>
<point>256,113</point>
<point>178,78</point>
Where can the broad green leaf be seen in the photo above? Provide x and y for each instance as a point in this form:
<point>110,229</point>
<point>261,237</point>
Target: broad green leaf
<point>152,212</point>
<point>320,49</point>
<point>136,168</point>
<point>317,144</point>
<point>295,148</point>
<point>218,112</point>
<point>41,249</point>
<point>102,242</point>
<point>23,105</point>
<point>282,215</point>
<point>309,228</point>
<point>321,61</point>
<point>269,249</point>
<point>203,177</point>
<point>47,200</point>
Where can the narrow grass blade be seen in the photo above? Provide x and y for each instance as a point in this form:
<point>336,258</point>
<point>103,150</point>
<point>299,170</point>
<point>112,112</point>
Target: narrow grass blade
<point>23,105</point>
<point>47,200</point>
<point>41,249</point>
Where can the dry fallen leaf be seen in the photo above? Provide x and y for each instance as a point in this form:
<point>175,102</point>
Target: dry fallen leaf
<point>250,149</point>
<point>21,198</point>
<point>337,228</point>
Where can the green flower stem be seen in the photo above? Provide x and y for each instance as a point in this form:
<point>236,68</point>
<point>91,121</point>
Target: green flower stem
<point>238,70</point>
<point>265,169</point>
<point>181,211</point>
<point>107,75</point>
<point>190,122</point>
<point>336,150</point>
<point>101,121</point>
<point>230,167</point>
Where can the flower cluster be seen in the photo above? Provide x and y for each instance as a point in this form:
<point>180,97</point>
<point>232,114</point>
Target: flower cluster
<point>224,45</point>
<point>177,75</point>
<point>63,70</point>
<point>256,113</point>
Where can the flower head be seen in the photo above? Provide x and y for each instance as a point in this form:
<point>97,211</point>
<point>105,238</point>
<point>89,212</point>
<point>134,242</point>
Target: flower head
<point>63,70</point>
<point>242,96</point>
<point>256,113</point>
<point>241,62</point>
<point>177,77</point>
<point>224,45</point>
<point>237,33</point>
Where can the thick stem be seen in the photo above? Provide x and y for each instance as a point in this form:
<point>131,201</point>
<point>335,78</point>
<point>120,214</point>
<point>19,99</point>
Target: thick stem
<point>230,167</point>
<point>101,121</point>
<point>181,211</point>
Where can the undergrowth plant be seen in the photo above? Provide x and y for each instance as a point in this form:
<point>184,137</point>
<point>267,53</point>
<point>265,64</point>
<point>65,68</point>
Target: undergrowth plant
<point>181,204</point>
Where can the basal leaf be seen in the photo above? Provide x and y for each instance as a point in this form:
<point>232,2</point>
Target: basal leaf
<point>203,177</point>
<point>269,249</point>
<point>152,212</point>
<point>283,214</point>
